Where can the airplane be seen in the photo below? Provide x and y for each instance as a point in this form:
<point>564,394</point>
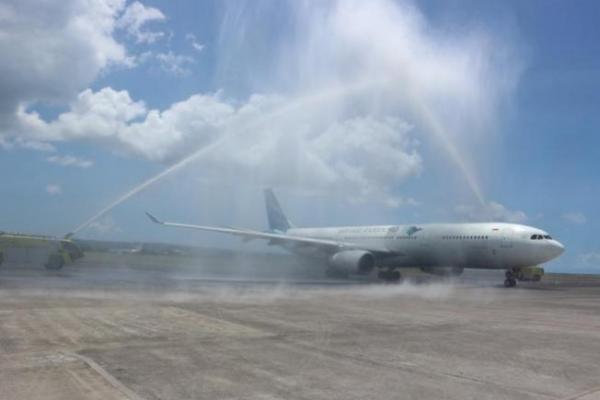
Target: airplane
<point>441,249</point>
<point>63,250</point>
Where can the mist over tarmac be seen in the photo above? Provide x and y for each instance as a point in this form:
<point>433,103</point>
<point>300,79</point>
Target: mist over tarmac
<point>171,327</point>
<point>218,276</point>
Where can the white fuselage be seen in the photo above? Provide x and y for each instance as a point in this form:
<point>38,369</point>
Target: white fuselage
<point>468,245</point>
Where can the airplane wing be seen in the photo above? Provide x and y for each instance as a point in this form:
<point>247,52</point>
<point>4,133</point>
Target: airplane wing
<point>330,246</point>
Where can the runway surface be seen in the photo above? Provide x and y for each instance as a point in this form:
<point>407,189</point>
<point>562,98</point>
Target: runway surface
<point>128,327</point>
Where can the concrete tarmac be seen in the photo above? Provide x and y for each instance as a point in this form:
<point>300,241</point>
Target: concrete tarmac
<point>115,327</point>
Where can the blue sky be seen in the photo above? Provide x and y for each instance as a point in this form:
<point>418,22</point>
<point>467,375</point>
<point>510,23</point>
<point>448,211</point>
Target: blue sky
<point>386,112</point>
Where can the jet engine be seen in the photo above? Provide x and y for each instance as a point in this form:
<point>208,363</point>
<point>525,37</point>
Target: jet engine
<point>352,262</point>
<point>443,271</point>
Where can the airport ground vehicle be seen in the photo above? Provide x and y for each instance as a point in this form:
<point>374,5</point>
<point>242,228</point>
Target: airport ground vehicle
<point>61,250</point>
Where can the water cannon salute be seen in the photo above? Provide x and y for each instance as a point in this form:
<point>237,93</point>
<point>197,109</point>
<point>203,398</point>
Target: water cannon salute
<point>299,199</point>
<point>380,85</point>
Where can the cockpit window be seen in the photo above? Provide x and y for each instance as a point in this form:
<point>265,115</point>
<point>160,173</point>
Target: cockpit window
<point>540,237</point>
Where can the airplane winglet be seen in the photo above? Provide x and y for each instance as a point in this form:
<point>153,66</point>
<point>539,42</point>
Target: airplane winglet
<point>153,218</point>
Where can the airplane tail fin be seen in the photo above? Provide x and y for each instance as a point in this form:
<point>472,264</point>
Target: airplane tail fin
<point>277,219</point>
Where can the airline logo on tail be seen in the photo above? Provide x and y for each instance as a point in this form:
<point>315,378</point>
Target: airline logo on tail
<point>412,230</point>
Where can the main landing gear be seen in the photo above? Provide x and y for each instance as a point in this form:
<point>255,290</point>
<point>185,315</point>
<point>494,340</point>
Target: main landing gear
<point>511,280</point>
<point>389,275</point>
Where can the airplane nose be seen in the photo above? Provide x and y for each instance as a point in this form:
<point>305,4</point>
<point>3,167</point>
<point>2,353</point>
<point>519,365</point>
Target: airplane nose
<point>557,248</point>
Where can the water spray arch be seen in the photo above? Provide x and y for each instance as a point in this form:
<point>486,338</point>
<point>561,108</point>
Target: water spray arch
<point>426,116</point>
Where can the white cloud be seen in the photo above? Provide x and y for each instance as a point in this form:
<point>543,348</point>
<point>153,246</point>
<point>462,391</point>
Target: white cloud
<point>194,42</point>
<point>577,218</point>
<point>142,58</point>
<point>53,189</point>
<point>51,50</point>
<point>176,64</point>
<point>104,226</point>
<point>70,161</point>
<point>97,116</point>
<point>364,155</point>
<point>111,117</point>
<point>18,142</point>
<point>34,145</point>
<point>591,259</point>
<point>134,18</point>
<point>169,62</point>
<point>368,154</point>
<point>490,212</point>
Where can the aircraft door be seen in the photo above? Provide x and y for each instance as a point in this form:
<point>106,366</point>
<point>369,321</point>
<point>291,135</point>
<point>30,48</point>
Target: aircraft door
<point>506,240</point>
<point>500,249</point>
<point>501,242</point>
